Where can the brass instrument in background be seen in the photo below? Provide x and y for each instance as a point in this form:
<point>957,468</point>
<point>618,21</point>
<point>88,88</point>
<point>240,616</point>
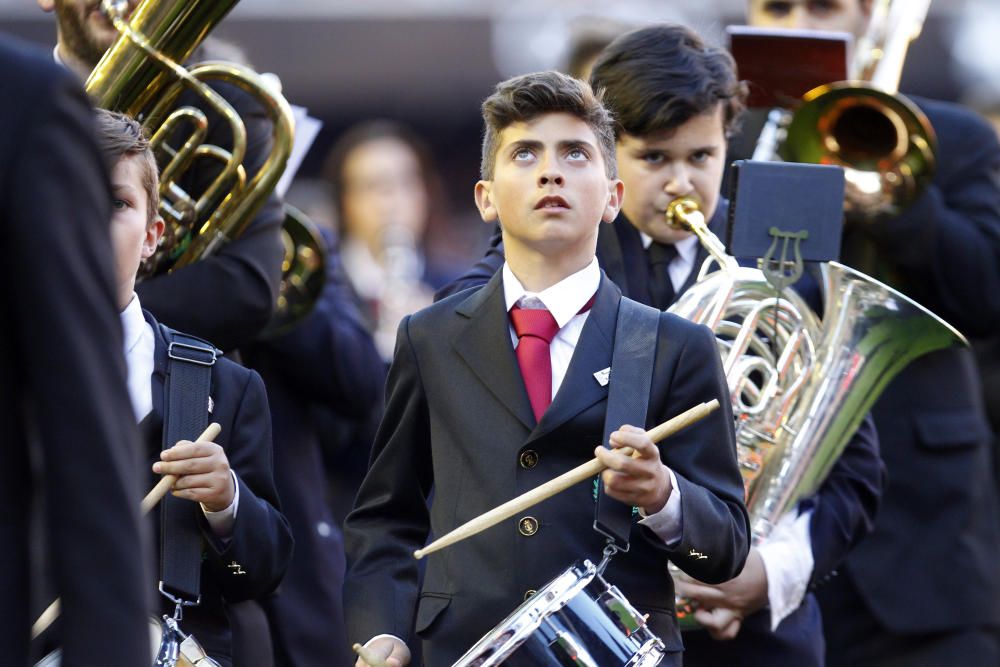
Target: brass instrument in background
<point>799,386</point>
<point>885,144</point>
<point>303,272</point>
<point>140,75</point>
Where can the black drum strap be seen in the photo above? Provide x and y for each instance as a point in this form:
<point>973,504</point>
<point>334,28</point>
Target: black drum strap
<point>189,380</point>
<point>628,399</point>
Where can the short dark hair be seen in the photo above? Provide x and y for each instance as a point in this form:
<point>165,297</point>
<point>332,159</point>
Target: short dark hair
<point>524,98</point>
<point>657,78</point>
<point>121,136</point>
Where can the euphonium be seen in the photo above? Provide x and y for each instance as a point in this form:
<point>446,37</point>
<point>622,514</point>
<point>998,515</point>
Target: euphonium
<point>140,75</point>
<point>800,386</point>
<point>885,144</point>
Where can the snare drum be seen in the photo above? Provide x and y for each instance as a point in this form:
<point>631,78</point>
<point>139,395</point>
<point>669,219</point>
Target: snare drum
<point>576,619</point>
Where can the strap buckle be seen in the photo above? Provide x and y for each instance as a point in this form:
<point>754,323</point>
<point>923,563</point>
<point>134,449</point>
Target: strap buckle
<point>183,351</point>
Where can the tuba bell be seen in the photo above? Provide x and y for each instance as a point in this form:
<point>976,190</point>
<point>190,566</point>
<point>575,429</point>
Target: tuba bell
<point>885,144</point>
<point>800,386</point>
<point>303,272</point>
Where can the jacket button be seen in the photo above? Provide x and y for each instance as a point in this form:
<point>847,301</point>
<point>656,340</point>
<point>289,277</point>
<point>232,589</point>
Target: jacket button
<point>528,593</point>
<point>527,526</point>
<point>528,459</point>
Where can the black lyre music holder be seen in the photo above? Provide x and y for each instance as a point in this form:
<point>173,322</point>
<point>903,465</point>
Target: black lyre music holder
<point>784,214</point>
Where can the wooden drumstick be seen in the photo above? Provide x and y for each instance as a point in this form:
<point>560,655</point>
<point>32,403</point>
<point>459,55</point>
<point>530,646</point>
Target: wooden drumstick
<point>560,483</point>
<point>51,612</point>
<point>167,482</point>
<point>369,657</point>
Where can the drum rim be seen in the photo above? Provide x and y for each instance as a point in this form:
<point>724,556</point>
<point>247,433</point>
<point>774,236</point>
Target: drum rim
<point>524,622</point>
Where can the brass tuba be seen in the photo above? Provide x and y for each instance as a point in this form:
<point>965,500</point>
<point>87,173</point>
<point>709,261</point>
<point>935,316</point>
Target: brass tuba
<point>799,386</point>
<point>140,75</point>
<point>885,144</point>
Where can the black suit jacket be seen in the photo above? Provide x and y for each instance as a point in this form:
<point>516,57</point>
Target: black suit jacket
<point>457,418</point>
<point>328,360</point>
<point>935,542</point>
<point>66,429</point>
<point>229,297</point>
<point>250,564</point>
<point>844,508</point>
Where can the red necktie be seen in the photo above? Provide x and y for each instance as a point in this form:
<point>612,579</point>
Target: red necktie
<point>535,329</point>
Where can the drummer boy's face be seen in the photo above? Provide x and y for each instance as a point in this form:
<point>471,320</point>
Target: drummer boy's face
<point>550,188</point>
<point>134,234</point>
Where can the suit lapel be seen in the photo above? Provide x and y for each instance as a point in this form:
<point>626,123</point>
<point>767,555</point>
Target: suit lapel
<point>487,328</point>
<point>580,389</point>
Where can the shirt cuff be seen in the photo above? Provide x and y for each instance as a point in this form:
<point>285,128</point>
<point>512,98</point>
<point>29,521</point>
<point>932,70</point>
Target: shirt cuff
<point>668,523</point>
<point>221,522</point>
<point>788,561</point>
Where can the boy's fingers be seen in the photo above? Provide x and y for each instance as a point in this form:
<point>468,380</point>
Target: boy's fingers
<point>206,481</point>
<point>195,466</point>
<point>185,449</point>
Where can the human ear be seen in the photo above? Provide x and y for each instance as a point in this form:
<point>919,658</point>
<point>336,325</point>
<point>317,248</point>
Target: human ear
<point>616,192</point>
<point>484,201</point>
<point>154,230</point>
<point>47,5</point>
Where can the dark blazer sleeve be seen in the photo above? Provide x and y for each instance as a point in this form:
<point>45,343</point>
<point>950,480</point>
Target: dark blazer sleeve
<point>65,318</point>
<point>229,297</point>
<point>261,542</point>
<point>715,538</point>
<point>481,271</point>
<point>844,508</point>
<point>946,246</point>
<point>390,518</point>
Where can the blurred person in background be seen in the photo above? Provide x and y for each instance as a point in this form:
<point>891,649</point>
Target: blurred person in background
<point>322,376</point>
<point>388,202</point>
<point>923,588</point>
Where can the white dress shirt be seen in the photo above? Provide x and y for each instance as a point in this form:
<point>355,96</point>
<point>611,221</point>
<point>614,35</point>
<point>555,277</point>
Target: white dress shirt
<point>140,350</point>
<point>564,301</point>
<point>788,561</point>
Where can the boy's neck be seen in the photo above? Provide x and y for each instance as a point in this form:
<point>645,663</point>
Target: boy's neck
<point>537,271</point>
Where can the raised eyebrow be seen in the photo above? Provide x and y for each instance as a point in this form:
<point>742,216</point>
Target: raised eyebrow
<point>576,143</point>
<point>520,144</point>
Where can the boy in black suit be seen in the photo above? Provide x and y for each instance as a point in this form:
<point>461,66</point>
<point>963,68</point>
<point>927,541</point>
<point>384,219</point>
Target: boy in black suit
<point>463,418</point>
<point>676,100</point>
<point>246,542</point>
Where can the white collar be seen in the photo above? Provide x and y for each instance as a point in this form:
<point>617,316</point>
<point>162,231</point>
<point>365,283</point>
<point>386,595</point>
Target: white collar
<point>565,299</point>
<point>133,323</point>
<point>687,248</point>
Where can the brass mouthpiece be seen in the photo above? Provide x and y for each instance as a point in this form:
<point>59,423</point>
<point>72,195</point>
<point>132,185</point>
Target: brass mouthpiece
<point>684,213</point>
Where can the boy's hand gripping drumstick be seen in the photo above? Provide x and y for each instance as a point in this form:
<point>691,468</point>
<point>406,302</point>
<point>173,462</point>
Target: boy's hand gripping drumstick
<point>560,483</point>
<point>51,612</point>
<point>167,481</point>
